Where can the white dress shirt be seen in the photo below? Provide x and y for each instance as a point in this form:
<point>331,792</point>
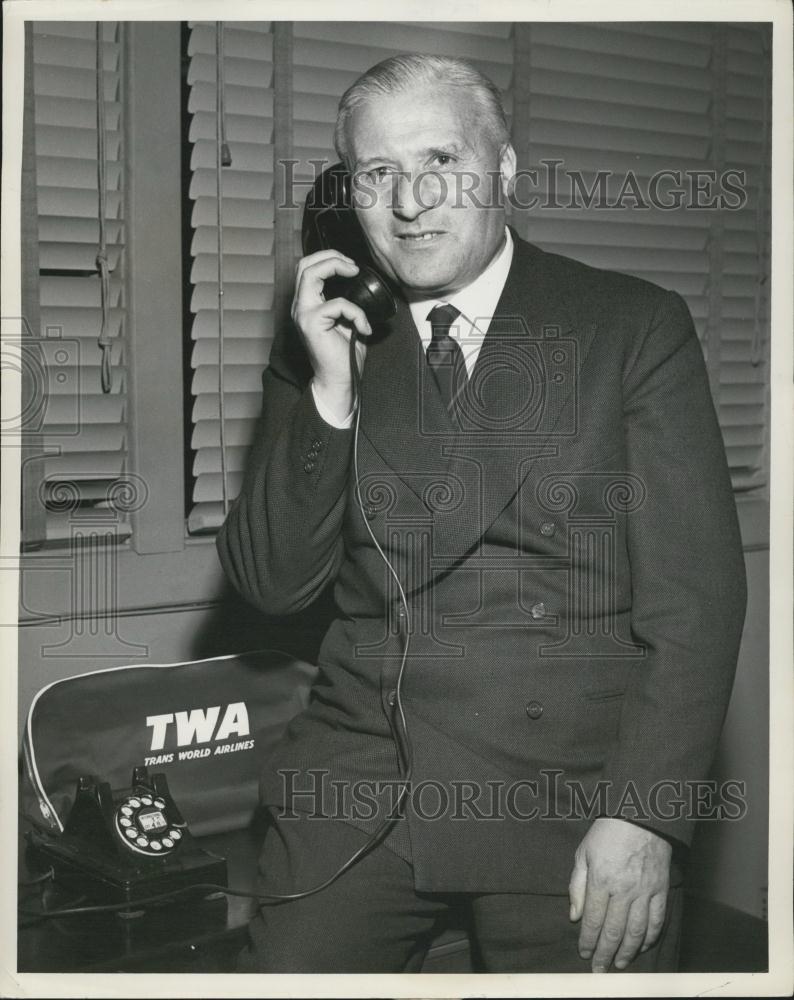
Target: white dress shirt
<point>476,302</point>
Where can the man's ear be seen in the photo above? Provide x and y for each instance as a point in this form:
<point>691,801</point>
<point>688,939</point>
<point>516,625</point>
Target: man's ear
<point>507,167</point>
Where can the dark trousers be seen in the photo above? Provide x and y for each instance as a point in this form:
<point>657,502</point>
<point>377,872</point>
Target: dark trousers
<point>371,919</point>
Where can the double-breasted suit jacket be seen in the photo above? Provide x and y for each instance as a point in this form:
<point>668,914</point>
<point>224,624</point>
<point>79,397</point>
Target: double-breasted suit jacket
<point>570,552</point>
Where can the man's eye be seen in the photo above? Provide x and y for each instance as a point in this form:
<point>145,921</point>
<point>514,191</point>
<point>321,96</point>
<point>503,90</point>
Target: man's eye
<point>378,174</point>
<point>442,159</point>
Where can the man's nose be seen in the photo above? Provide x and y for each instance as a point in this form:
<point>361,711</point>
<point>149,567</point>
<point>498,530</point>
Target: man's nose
<point>414,193</point>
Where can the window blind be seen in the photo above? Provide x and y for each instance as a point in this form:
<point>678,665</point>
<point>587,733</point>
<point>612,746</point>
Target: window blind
<point>247,206</point>
<point>327,59</point>
<point>631,101</point>
<point>744,336</point>
<point>84,430</point>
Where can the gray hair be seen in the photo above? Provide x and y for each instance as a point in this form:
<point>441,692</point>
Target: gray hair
<point>402,72</point>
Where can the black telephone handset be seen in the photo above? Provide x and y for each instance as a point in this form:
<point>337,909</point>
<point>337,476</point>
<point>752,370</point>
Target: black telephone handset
<point>330,223</point>
<point>126,846</point>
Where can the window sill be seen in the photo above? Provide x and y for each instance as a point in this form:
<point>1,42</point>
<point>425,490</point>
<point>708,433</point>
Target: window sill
<point>54,582</point>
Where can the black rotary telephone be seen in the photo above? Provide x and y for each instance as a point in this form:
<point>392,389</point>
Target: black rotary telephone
<point>330,223</point>
<point>124,846</point>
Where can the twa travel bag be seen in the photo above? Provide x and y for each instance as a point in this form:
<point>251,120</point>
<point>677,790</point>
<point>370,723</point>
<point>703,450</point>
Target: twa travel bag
<point>207,725</point>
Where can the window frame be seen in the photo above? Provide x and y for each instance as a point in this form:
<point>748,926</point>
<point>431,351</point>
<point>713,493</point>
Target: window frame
<point>159,556</point>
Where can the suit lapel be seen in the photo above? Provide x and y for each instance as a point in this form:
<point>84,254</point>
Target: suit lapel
<point>519,400</point>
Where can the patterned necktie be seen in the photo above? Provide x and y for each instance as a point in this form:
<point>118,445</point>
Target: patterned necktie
<point>444,354</point>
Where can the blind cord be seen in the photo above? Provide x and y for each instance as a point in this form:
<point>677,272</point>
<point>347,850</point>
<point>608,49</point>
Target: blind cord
<point>104,340</point>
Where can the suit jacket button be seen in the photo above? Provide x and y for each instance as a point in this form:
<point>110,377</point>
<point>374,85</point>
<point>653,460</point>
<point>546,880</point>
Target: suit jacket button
<point>391,698</point>
<point>534,709</point>
<point>308,467</point>
<point>317,444</point>
<point>538,610</point>
<point>547,528</point>
<point>311,454</point>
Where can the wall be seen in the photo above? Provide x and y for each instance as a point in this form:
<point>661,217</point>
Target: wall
<point>729,859</point>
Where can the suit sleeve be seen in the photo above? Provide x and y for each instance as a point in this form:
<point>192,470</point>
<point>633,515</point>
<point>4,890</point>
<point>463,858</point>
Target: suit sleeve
<point>687,571</point>
<point>281,542</point>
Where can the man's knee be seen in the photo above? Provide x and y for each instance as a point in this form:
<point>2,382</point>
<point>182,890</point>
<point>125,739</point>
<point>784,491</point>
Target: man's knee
<point>368,920</point>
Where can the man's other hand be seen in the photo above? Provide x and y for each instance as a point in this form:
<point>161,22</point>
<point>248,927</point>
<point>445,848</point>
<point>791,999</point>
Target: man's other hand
<point>619,890</point>
<point>325,326</point>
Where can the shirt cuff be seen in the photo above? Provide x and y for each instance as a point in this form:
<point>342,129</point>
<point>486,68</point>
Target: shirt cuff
<point>331,418</point>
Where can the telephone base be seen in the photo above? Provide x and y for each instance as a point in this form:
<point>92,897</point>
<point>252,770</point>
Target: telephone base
<point>104,880</point>
<point>125,847</point>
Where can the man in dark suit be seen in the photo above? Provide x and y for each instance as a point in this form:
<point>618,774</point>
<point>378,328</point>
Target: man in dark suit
<point>537,499</point>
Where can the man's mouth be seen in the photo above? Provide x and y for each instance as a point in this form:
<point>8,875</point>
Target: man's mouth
<point>419,238</point>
